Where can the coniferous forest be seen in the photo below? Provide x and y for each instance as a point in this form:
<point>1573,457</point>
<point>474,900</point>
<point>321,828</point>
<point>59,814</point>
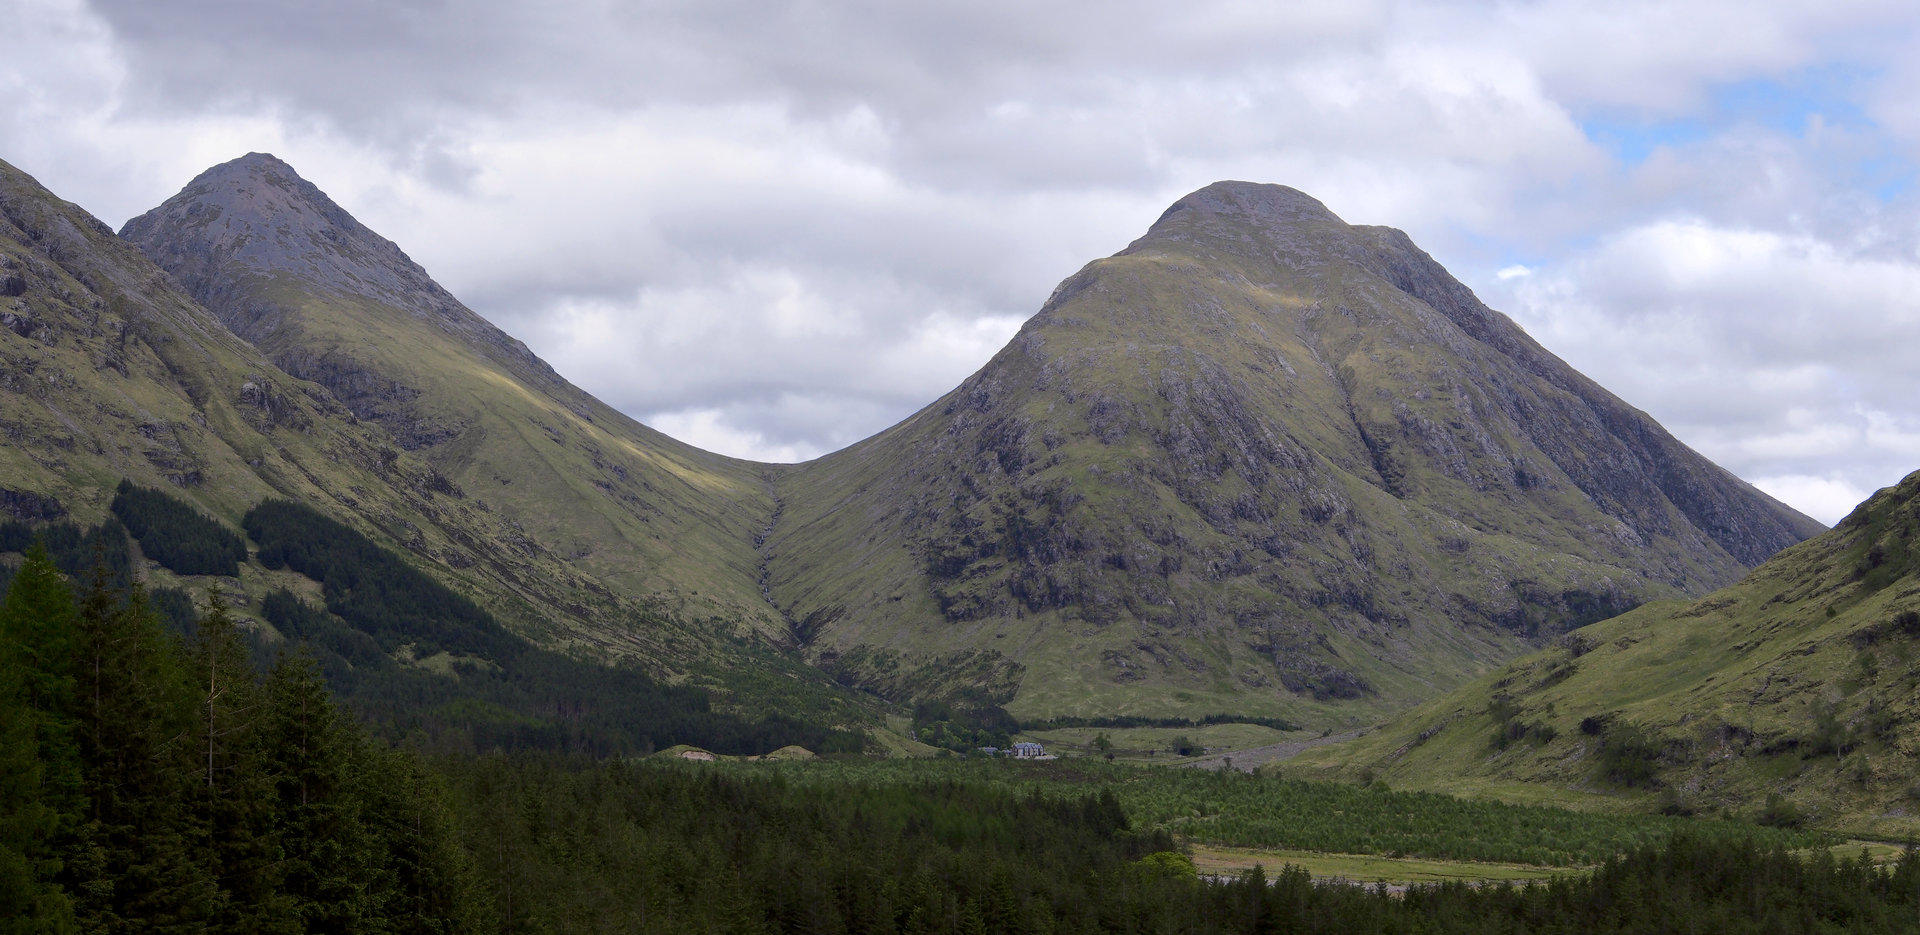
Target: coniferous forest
<point>156,778</point>
<point>177,535</point>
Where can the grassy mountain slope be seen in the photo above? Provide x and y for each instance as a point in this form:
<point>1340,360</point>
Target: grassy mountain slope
<point>108,370</point>
<point>1800,681</point>
<point>1260,461</point>
<point>584,487</point>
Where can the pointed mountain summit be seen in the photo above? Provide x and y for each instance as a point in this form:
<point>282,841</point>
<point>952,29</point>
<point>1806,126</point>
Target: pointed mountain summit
<point>583,485</point>
<point>1260,461</point>
<point>243,223</point>
<point>109,371</point>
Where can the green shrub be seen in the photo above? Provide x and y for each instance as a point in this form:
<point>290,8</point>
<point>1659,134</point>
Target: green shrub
<point>1779,813</point>
<point>1630,755</point>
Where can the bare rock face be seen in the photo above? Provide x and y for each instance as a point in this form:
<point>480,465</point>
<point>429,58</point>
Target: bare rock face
<point>254,242</point>
<point>1261,459</point>
<point>27,506</point>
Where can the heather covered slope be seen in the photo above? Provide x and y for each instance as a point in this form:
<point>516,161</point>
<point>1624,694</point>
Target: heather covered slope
<point>1801,681</point>
<point>1260,461</point>
<point>583,487</point>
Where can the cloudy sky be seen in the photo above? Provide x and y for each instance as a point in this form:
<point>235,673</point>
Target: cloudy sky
<point>773,228</point>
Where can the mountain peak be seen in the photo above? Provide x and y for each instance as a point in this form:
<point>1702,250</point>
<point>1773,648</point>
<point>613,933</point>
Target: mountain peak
<point>256,215</point>
<point>1262,453</point>
<point>234,185</point>
<point>1257,201</point>
<point>259,162</point>
<point>1240,212</point>
<point>247,236</point>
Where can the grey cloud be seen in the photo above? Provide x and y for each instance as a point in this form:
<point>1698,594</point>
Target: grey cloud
<point>1777,354</point>
<point>327,54</point>
<point>631,186</point>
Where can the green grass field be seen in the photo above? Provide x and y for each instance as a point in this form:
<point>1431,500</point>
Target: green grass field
<point>1362,868</point>
<point>1231,809</point>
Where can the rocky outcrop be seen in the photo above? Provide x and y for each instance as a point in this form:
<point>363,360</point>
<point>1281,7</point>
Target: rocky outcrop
<point>30,507</point>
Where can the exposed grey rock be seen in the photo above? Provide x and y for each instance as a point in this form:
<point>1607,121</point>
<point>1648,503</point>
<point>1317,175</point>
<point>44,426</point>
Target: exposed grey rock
<point>30,507</point>
<point>254,220</point>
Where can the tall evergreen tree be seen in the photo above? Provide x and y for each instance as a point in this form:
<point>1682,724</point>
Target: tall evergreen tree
<point>232,792</point>
<point>425,882</point>
<point>38,619</point>
<point>307,752</point>
<point>39,766</point>
<point>138,864</point>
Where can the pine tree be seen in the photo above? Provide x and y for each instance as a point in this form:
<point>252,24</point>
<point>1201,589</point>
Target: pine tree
<point>426,882</point>
<point>233,795</point>
<point>39,767</point>
<point>308,753</point>
<point>137,863</point>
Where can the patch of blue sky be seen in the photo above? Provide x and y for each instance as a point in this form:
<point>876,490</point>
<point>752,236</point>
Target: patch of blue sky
<point>1480,250</point>
<point>1888,176</point>
<point>1791,105</point>
<point>1787,104</point>
<point>1830,92</point>
<point>1633,142</point>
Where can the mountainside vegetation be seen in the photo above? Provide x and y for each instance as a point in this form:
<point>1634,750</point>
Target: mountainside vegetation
<point>158,784</point>
<point>176,535</point>
<point>414,658</point>
<point>572,487</point>
<point>1261,464</point>
<point>115,384</point>
<point>1790,696</point>
<point>1261,460</point>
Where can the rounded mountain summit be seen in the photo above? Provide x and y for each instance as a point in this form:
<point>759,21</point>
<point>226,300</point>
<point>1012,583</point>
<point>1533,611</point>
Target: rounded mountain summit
<point>1261,461</point>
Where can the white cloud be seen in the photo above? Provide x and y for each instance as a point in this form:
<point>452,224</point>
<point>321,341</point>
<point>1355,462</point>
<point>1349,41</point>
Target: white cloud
<point>1827,499</point>
<point>777,228</point>
<point>712,430</point>
<point>1781,356</point>
<point>1659,59</point>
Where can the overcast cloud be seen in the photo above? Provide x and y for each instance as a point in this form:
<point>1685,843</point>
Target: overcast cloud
<point>772,229</point>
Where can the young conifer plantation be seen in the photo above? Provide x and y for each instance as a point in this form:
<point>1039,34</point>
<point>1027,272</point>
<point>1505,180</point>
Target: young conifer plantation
<point>152,781</point>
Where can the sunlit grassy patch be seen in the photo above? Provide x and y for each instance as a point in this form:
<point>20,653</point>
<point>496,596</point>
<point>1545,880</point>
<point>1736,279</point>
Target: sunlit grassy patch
<point>1361,868</point>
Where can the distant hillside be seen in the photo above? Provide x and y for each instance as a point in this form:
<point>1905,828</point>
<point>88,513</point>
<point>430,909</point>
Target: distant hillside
<point>1801,682</point>
<point>1261,463</point>
<point>109,372</point>
<point>1261,460</point>
<point>587,493</point>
